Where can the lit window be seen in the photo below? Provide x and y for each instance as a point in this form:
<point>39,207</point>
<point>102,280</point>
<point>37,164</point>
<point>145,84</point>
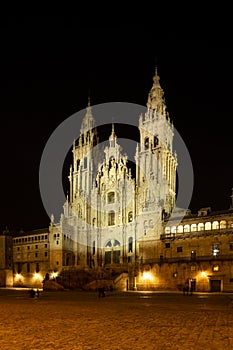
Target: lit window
<point>215,225</point>
<point>180,229</point>
<point>215,249</point>
<point>173,229</point>
<point>201,226</point>
<point>223,224</point>
<point>130,216</point>
<point>208,226</point>
<point>216,268</point>
<point>193,227</point>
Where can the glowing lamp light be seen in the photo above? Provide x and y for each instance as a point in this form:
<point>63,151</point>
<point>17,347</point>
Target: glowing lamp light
<point>147,276</point>
<point>37,276</point>
<point>18,276</point>
<point>54,275</point>
<point>203,274</point>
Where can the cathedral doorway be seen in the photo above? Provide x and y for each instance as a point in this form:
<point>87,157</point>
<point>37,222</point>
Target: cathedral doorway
<point>112,257</point>
<point>112,252</point>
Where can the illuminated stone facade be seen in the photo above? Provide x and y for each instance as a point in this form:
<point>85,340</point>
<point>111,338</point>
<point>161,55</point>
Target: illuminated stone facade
<point>108,211</point>
<point>113,221</point>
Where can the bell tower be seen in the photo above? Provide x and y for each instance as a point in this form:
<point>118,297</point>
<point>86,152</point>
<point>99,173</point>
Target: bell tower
<point>81,179</point>
<point>81,173</point>
<point>156,163</point>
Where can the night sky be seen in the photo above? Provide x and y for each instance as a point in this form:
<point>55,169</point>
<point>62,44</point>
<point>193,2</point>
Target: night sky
<point>49,66</point>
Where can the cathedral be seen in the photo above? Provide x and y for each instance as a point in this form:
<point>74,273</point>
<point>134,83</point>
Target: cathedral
<point>108,210</point>
<point>119,222</point>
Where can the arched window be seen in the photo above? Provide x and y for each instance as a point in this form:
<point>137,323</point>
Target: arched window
<point>130,216</point>
<point>85,163</point>
<point>180,229</point>
<point>215,225</point>
<point>130,244</point>
<point>223,224</point>
<point>186,228</point>
<point>111,197</point>
<point>111,218</point>
<point>77,164</point>
<point>146,143</point>
<point>208,225</point>
<point>201,226</point>
<point>193,227</point>
<point>156,140</point>
<point>173,229</point>
<point>112,243</point>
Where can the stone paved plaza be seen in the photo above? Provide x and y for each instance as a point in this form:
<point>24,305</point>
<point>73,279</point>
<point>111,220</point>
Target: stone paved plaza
<point>119,321</point>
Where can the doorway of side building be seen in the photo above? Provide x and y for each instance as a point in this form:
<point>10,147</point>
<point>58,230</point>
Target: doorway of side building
<point>215,285</point>
<point>193,284</point>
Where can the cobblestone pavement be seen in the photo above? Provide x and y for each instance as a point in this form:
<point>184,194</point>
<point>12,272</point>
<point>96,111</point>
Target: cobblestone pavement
<point>120,321</point>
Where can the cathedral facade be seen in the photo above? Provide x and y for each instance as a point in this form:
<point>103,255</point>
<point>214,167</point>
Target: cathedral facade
<point>108,210</point>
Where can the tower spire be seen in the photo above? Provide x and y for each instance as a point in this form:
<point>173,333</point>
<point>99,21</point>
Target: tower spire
<point>88,122</point>
<point>112,137</point>
<point>156,99</point>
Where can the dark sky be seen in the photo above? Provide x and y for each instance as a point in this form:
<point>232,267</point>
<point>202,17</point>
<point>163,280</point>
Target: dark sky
<point>49,65</point>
